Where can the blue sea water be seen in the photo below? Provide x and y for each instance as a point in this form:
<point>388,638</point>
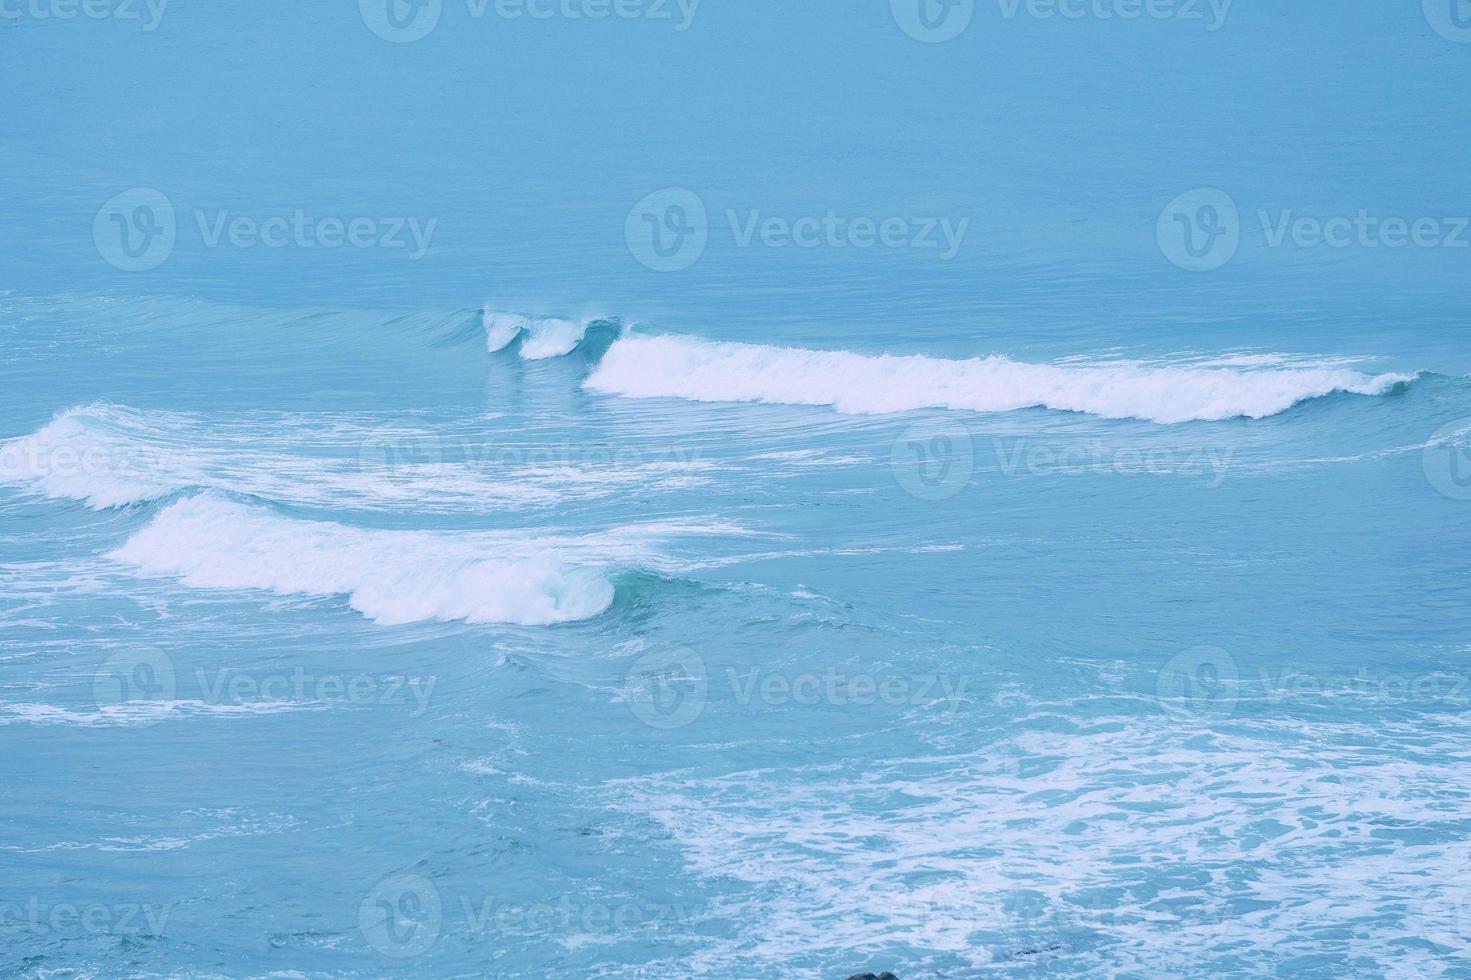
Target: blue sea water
<point>665,489</point>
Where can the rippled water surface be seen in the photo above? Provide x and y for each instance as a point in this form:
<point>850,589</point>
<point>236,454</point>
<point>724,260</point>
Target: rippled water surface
<point>748,492</point>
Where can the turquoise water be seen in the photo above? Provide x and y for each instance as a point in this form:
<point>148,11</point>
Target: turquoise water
<point>746,492</point>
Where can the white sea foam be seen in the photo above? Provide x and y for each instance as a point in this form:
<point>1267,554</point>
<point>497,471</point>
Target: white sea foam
<point>392,577</point>
<point>82,455</point>
<point>523,577</point>
<point>551,338</point>
<point>140,712</point>
<point>701,370</point>
<point>1115,846</point>
<point>110,456</point>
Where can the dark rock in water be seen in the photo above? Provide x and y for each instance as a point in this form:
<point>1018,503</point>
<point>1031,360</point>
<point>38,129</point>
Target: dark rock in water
<point>886,975</point>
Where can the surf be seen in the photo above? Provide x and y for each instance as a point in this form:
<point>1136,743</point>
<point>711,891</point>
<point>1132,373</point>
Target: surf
<point>537,338</point>
<point>390,577</point>
<point>691,368</point>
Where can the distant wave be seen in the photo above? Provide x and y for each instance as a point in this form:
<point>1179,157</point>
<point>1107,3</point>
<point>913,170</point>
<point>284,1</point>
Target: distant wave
<point>392,577</point>
<point>541,336</point>
<point>702,370</point>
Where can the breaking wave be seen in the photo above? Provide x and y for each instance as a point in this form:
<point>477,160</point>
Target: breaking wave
<point>701,370</point>
<point>391,577</point>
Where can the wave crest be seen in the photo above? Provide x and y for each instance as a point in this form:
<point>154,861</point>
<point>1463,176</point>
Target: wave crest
<point>701,370</point>
<point>391,577</point>
<point>541,337</point>
<point>97,454</point>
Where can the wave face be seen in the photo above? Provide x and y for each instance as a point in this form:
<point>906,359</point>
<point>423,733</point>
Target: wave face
<point>700,370</point>
<point>541,337</point>
<point>97,454</point>
<point>391,577</point>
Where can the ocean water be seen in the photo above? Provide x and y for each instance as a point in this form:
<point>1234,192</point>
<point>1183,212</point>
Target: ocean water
<point>669,489</point>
